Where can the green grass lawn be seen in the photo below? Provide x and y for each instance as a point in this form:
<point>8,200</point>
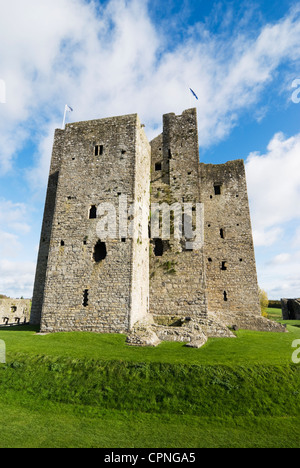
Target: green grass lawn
<point>93,390</point>
<point>247,348</point>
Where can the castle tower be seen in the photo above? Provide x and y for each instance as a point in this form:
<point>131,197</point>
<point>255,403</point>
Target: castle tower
<point>232,289</point>
<point>177,266</point>
<point>99,269</point>
<point>84,282</point>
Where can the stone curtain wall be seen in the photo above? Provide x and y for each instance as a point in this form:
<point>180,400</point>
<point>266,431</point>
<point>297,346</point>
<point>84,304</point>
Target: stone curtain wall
<point>14,311</point>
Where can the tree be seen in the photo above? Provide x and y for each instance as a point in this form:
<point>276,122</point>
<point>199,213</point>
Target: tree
<point>264,302</point>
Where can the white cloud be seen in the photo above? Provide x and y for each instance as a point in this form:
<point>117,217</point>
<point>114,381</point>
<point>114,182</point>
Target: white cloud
<point>16,278</point>
<point>280,276</point>
<point>116,62</point>
<point>111,59</point>
<point>14,216</point>
<point>266,237</point>
<point>281,259</point>
<point>296,238</point>
<point>9,245</point>
<point>274,188</point>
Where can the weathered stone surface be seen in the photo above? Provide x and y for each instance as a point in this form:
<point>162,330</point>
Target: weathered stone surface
<point>93,162</point>
<point>14,311</point>
<point>290,309</point>
<point>142,334</point>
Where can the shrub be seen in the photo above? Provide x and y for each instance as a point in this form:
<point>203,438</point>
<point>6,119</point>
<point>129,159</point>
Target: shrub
<point>264,302</point>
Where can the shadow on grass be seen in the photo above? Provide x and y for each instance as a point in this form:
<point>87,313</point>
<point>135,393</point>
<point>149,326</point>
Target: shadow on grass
<point>23,327</point>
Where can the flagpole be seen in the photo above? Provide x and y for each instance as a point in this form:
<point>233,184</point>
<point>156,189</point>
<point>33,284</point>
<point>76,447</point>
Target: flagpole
<point>64,121</point>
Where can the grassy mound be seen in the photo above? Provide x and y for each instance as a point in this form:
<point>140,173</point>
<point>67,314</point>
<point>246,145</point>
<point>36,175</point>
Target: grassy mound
<point>89,390</point>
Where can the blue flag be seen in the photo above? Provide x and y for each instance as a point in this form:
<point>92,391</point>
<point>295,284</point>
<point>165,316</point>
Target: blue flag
<point>194,94</point>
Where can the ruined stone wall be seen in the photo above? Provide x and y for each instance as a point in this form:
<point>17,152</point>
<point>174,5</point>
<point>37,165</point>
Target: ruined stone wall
<point>290,309</point>
<point>232,289</point>
<point>84,290</point>
<point>177,274</point>
<point>14,311</point>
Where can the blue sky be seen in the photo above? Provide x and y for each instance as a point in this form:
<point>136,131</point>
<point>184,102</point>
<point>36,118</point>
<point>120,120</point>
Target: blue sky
<point>115,57</point>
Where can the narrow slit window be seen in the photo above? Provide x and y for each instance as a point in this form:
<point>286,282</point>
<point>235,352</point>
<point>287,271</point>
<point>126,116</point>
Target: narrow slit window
<point>224,266</point>
<point>222,233</point>
<point>62,243</point>
<point>225,296</point>
<point>85,301</point>
<point>99,150</point>
<point>93,212</point>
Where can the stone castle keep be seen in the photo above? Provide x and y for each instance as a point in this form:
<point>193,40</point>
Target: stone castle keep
<point>145,286</point>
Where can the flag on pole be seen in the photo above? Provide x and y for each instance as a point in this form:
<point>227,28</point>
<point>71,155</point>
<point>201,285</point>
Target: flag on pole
<point>194,94</point>
<point>67,109</point>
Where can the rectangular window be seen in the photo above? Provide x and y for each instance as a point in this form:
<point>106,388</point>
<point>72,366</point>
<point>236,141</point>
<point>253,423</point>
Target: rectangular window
<point>158,166</point>
<point>99,150</point>
<point>217,188</point>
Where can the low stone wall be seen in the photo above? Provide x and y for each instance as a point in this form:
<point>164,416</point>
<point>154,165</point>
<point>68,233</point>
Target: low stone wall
<point>14,311</point>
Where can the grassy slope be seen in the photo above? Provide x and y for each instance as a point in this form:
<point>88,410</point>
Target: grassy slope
<point>63,390</point>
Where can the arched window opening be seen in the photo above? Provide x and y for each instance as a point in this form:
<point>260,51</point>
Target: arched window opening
<point>100,252</point>
<point>93,212</point>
